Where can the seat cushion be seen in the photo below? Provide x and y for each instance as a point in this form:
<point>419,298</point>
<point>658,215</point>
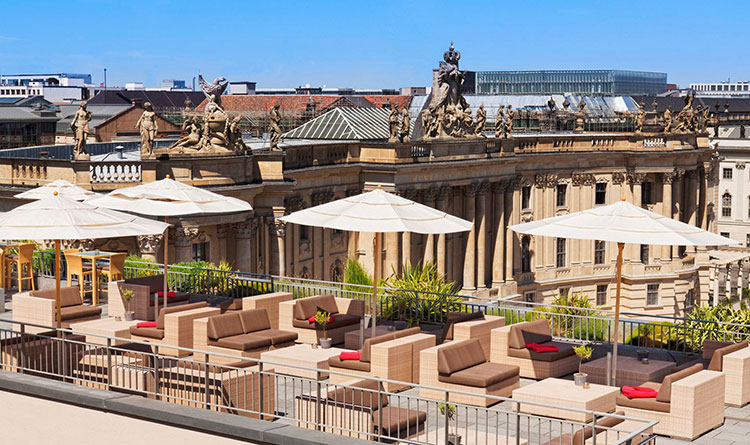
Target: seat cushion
<point>362,393</point>
<point>536,331</point>
<point>564,350</point>
<point>225,325</point>
<point>460,355</point>
<point>356,365</point>
<point>647,404</point>
<point>717,361</point>
<point>709,346</point>
<point>244,342</point>
<point>80,311</point>
<point>305,308</point>
<point>147,332</point>
<point>665,391</point>
<point>396,420</point>
<point>482,375</point>
<point>173,309</point>
<point>276,336</point>
<point>69,296</point>
<point>254,320</point>
<point>341,320</point>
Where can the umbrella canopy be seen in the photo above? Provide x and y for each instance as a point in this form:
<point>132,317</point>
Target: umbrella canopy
<point>623,222</point>
<point>168,197</point>
<point>59,187</point>
<point>60,218</point>
<point>378,211</point>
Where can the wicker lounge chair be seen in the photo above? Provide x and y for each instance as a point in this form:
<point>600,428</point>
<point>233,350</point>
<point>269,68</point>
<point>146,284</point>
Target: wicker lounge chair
<point>39,307</point>
<point>174,327</point>
<point>294,315</point>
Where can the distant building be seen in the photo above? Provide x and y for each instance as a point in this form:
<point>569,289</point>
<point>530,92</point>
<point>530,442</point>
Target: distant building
<point>26,122</point>
<point>161,100</point>
<point>242,88</point>
<point>414,91</point>
<point>134,86</point>
<point>173,84</point>
<point>60,87</point>
<point>721,89</point>
<point>585,82</point>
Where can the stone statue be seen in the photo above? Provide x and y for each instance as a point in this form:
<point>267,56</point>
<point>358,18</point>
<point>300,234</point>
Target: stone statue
<point>426,117</point>
<point>405,125</point>
<point>80,127</point>
<point>448,108</point>
<point>274,127</point>
<point>742,132</point>
<point>685,118</point>
<point>551,104</point>
<point>186,124</point>
<point>393,121</point>
<point>214,90</point>
<point>214,129</point>
<point>481,121</point>
<point>640,116</point>
<point>235,136</point>
<point>192,141</point>
<point>705,119</point>
<point>509,122</point>
<point>581,105</point>
<point>499,122</point>
<point>148,128</point>
<point>654,106</point>
<point>668,120</point>
<point>566,104</point>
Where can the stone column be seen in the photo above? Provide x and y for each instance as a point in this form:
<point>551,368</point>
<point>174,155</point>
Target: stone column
<point>148,246</point>
<point>405,247</point>
<point>428,198</point>
<point>512,240</point>
<point>457,238</point>
<point>481,223</point>
<point>277,233</point>
<point>221,238</point>
<point>470,193</point>
<point>498,251</point>
<point>677,204</point>
<point>442,205</point>
<point>692,185</point>
<point>244,233</point>
<point>636,180</point>
<point>666,180</point>
<point>317,243</point>
<point>183,241</point>
<point>391,253</point>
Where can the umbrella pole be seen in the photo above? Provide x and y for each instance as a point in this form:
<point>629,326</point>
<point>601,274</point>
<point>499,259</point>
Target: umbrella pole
<point>57,283</point>
<point>376,276</point>
<point>613,369</point>
<point>166,282</point>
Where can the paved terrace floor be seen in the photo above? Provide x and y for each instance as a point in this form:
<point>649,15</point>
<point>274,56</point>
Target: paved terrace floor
<point>734,431</point>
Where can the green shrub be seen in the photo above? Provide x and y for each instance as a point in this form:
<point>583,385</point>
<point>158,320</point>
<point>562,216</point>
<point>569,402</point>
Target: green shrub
<point>136,267</point>
<point>356,278</point>
<point>571,318</point>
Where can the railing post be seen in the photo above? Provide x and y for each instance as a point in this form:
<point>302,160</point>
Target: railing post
<point>109,363</point>
<point>23,348</point>
<point>273,284</point>
<point>156,373</point>
<point>518,423</point>
<point>260,390</point>
<point>317,400</point>
<point>593,429</point>
<point>63,362</point>
<point>205,382</point>
<point>446,418</point>
<point>380,413</point>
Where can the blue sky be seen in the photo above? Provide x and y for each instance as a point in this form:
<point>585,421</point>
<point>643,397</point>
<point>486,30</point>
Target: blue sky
<point>359,44</point>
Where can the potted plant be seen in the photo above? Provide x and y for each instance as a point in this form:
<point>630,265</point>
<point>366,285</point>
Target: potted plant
<point>322,318</point>
<point>127,295</point>
<point>584,353</point>
<point>449,410</point>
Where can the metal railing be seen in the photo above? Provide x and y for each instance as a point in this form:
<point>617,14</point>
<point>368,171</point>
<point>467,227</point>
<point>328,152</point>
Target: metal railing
<point>302,396</point>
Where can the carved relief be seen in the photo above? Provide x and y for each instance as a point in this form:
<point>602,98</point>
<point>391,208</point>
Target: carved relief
<point>148,244</point>
<point>580,179</point>
<point>618,178</point>
<point>245,229</point>
<point>184,236</point>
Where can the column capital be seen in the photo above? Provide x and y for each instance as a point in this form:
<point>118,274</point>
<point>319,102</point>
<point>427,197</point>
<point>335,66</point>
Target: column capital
<point>84,244</point>
<point>148,244</point>
<point>276,227</point>
<point>472,189</point>
<point>500,186</point>
<point>679,173</point>
<point>668,177</point>
<point>222,231</point>
<point>579,179</point>
<point>429,194</point>
<point>618,178</point>
<point>410,193</point>
<point>484,187</point>
<point>636,178</point>
<point>543,180</point>
<point>321,197</point>
<point>294,203</point>
<point>692,174</point>
<point>245,229</point>
<point>444,192</point>
<point>184,236</point>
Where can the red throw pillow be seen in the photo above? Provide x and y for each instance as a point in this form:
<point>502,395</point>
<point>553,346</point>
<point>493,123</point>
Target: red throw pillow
<point>542,348</point>
<point>349,355</point>
<point>638,392</point>
<point>146,324</point>
<point>331,318</point>
<point>311,319</point>
<point>170,294</point>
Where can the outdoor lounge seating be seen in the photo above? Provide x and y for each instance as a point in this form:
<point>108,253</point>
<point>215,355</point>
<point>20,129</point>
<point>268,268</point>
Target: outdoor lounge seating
<point>509,347</point>
<point>38,307</point>
<point>358,407</point>
<point>144,296</point>
<point>609,430</point>
<point>733,359</point>
<point>174,327</point>
<point>269,302</point>
<point>294,315</point>
<point>462,366</point>
<point>689,403</point>
<point>466,325</point>
<point>242,334</point>
<point>393,356</point>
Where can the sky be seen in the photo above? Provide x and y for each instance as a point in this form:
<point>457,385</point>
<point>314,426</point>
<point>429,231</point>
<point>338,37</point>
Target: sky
<point>370,44</point>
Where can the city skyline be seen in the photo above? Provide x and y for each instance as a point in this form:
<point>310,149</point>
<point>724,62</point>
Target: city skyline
<point>388,45</point>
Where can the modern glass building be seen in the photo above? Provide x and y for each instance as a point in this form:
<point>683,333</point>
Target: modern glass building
<point>585,82</point>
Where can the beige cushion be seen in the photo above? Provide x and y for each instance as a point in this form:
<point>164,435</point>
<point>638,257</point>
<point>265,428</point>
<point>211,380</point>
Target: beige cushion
<point>173,309</point>
<point>717,361</point>
<point>355,365</point>
<point>536,331</point>
<point>225,325</point>
<point>254,320</point>
<point>457,356</point>
<point>482,375</point>
<point>665,390</point>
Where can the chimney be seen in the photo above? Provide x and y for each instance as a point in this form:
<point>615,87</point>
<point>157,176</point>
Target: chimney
<point>119,149</point>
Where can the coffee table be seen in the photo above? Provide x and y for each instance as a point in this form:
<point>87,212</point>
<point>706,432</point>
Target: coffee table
<point>351,338</point>
<point>630,371</point>
<point>565,394</point>
<point>301,355</point>
<point>109,327</point>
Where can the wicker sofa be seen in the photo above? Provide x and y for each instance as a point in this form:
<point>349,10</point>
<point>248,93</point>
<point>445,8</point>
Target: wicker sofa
<point>462,365</point>
<point>39,307</point>
<point>509,347</point>
<point>174,327</point>
<point>609,430</point>
<point>294,315</point>
<point>688,403</point>
<point>393,356</point>
<point>467,325</point>
<point>733,359</point>
<point>242,334</point>
<point>144,296</point>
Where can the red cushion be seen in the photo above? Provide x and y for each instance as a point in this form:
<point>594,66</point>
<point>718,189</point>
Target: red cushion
<point>146,324</point>
<point>638,392</point>
<point>542,348</point>
<point>170,294</point>
<point>349,355</point>
<point>311,319</point>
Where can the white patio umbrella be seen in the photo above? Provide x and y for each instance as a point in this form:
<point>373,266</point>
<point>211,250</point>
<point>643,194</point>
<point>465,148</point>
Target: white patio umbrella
<point>622,223</point>
<point>60,187</point>
<point>167,197</point>
<point>378,211</point>
<point>59,218</point>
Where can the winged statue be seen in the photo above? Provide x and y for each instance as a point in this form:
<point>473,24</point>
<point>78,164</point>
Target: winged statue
<point>213,90</point>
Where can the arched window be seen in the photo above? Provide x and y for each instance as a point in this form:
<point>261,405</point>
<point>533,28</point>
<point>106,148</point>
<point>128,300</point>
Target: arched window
<point>726,204</point>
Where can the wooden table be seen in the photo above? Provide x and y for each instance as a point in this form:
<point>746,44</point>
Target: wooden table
<point>5,245</point>
<point>564,394</point>
<point>630,371</point>
<point>93,256</point>
<point>351,338</point>
<point>302,355</point>
<point>109,327</point>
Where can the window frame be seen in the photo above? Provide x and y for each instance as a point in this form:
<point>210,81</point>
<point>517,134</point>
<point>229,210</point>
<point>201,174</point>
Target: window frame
<point>727,173</point>
<point>561,253</point>
<point>597,191</point>
<point>600,248</point>
<point>599,293</point>
<point>645,254</point>
<point>726,205</point>
<point>526,197</point>
<point>561,194</point>
<point>649,294</point>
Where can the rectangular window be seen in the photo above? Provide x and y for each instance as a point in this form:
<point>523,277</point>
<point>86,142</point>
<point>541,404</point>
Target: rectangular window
<point>529,297</point>
<point>689,303</point>
<point>599,252</point>
<point>304,233</point>
<point>561,194</point>
<point>200,251</point>
<point>747,240</point>
<point>652,295</point>
<point>564,292</point>
<point>727,173</point>
<point>560,252</point>
<point>601,295</point>
<point>644,253</point>
<point>601,193</point>
<point>526,197</point>
<point>724,234</point>
<point>646,193</point>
